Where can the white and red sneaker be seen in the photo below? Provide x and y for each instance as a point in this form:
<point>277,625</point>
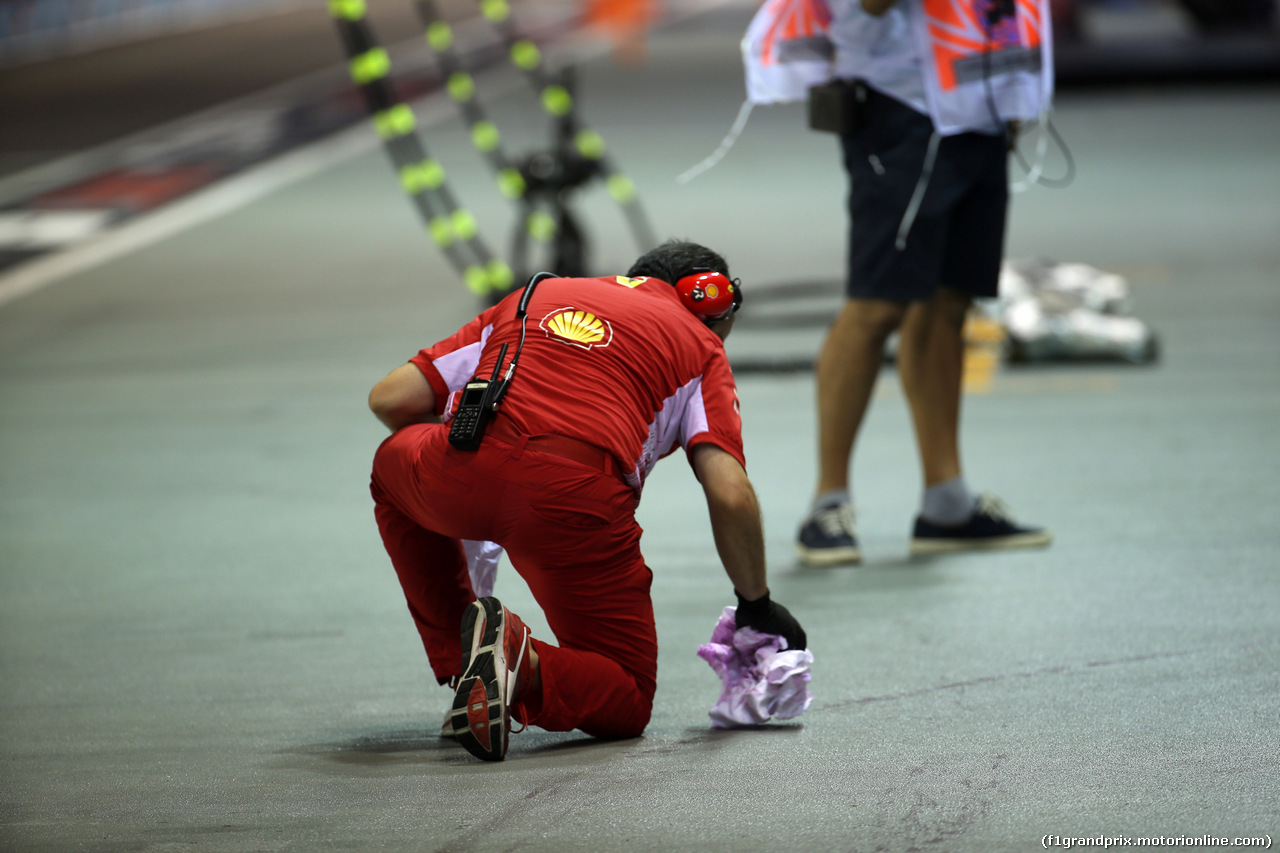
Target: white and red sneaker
<point>495,668</point>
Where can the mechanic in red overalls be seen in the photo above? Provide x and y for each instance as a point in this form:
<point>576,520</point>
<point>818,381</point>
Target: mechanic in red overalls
<point>613,374</point>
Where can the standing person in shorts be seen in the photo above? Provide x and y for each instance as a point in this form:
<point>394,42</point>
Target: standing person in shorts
<point>929,194</point>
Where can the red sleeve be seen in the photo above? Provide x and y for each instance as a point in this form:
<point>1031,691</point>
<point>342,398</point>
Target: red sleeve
<point>449,363</point>
<point>715,418</point>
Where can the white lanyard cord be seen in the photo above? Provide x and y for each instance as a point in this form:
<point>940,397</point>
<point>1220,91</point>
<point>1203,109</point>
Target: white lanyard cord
<point>917,197</point>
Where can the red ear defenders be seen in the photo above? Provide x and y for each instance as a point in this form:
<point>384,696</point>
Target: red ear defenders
<point>710,295</point>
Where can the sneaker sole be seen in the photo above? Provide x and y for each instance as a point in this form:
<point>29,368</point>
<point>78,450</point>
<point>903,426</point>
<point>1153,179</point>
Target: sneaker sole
<point>822,557</point>
<point>479,716</point>
<point>925,547</point>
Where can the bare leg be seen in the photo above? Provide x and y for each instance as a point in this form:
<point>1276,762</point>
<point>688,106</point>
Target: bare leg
<point>930,364</point>
<point>846,373</point>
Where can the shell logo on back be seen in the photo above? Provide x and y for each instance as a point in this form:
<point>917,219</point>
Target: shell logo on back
<point>577,328</point>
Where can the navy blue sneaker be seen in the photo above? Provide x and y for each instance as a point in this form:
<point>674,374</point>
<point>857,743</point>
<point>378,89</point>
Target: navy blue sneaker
<point>990,527</point>
<point>827,538</point>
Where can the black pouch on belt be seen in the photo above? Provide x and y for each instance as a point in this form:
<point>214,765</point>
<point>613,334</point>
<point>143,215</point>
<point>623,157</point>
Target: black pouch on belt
<point>838,106</point>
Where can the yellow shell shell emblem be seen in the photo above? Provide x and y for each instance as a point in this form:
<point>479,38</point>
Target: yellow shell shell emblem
<point>577,328</point>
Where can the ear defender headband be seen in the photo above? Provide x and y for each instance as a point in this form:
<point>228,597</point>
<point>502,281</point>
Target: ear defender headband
<point>710,295</point>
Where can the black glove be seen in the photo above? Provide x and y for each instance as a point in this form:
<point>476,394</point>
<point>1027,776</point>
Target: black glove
<point>769,618</point>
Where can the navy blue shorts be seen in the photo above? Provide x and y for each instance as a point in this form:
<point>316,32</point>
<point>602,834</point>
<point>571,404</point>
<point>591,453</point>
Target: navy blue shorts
<point>956,238</point>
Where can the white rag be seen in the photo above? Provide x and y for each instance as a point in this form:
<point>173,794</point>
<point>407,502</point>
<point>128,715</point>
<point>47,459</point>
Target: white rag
<point>762,678</point>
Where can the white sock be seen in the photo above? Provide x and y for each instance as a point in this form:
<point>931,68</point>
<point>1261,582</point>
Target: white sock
<point>948,503</point>
<point>835,497</point>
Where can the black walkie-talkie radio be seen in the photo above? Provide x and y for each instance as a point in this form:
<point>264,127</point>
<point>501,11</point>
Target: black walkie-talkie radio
<point>480,397</point>
<point>479,401</point>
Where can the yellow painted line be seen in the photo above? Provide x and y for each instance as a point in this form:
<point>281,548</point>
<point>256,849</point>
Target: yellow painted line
<point>979,371</point>
<point>983,348</point>
<point>1151,272</point>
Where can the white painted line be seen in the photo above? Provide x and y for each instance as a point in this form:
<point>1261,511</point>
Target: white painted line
<point>199,207</point>
<point>219,199</point>
<point>47,229</point>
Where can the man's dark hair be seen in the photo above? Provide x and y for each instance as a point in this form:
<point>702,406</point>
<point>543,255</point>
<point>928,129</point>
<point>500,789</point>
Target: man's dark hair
<point>675,259</point>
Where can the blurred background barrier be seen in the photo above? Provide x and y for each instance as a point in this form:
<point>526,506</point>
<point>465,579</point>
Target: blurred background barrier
<point>1098,40</point>
<point>31,29</point>
<point>1106,41</point>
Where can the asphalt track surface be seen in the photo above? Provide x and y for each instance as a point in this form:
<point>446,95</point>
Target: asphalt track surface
<point>202,645</point>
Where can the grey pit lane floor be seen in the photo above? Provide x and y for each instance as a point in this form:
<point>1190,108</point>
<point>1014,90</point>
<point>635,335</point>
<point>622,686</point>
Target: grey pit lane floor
<point>202,644</point>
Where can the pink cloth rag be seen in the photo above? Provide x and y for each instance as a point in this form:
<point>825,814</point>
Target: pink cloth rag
<point>762,678</point>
